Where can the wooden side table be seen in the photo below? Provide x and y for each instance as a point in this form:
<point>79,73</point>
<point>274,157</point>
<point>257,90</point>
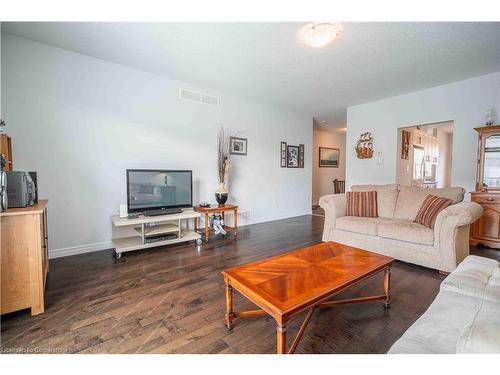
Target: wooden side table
<point>206,211</point>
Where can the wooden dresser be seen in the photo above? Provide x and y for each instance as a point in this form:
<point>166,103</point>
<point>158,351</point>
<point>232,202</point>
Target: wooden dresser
<point>486,231</point>
<point>24,254</point>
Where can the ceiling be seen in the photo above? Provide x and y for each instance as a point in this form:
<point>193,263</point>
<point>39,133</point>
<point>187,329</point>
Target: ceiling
<point>270,63</point>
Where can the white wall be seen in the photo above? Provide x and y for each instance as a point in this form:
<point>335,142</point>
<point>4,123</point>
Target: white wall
<point>323,177</point>
<point>80,122</point>
<point>465,103</point>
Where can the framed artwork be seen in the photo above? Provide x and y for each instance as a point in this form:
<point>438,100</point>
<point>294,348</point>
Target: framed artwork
<point>292,156</point>
<point>283,154</point>
<point>238,146</point>
<point>301,156</point>
<point>405,144</point>
<point>329,157</point>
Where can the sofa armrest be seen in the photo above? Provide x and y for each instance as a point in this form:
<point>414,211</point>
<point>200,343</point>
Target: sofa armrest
<point>451,232</point>
<point>465,212</point>
<point>334,206</point>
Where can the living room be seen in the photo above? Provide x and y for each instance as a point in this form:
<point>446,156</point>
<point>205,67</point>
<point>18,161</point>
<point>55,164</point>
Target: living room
<point>242,187</point>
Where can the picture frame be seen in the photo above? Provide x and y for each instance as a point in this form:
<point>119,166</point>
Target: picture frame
<point>301,156</point>
<point>283,155</point>
<point>238,146</point>
<point>292,156</point>
<point>329,157</point>
<point>405,144</point>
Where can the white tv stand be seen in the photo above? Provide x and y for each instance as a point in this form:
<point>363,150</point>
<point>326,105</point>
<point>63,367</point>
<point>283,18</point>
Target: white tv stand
<point>133,234</point>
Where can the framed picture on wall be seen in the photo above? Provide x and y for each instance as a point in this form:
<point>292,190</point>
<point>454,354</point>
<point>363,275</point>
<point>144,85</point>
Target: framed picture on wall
<point>292,156</point>
<point>301,156</point>
<point>238,146</point>
<point>329,157</point>
<point>405,144</point>
<point>283,154</point>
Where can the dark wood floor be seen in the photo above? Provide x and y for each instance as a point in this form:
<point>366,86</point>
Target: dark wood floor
<point>171,300</point>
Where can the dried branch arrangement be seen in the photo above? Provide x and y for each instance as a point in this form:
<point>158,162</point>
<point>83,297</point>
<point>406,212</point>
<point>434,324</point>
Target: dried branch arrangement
<point>223,154</point>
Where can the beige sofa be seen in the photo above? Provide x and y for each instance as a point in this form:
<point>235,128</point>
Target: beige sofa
<point>394,232</point>
<point>464,317</point>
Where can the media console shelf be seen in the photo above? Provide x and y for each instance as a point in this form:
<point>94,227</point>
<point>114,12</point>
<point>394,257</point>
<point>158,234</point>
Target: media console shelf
<point>140,233</point>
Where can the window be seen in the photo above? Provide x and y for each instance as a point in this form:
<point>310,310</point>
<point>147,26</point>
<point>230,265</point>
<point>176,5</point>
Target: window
<point>492,161</point>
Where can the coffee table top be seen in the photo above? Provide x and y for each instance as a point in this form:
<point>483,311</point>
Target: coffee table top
<point>288,283</point>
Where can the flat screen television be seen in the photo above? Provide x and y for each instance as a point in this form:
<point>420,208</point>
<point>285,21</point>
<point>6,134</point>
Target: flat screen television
<point>155,189</point>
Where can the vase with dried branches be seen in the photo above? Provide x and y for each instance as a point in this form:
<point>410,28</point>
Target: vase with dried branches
<point>223,158</point>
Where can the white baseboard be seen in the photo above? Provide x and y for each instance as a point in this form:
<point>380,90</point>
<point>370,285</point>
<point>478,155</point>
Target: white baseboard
<point>279,217</point>
<point>81,249</point>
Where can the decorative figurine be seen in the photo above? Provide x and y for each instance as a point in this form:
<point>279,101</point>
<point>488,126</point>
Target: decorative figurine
<point>217,223</point>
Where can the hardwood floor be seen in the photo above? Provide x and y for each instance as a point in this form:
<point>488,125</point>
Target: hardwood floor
<point>171,300</point>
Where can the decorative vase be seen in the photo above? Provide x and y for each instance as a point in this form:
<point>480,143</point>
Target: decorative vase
<point>490,117</point>
<point>221,194</point>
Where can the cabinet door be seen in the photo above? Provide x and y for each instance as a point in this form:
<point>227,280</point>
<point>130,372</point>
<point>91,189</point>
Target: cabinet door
<point>15,265</point>
<point>488,226</point>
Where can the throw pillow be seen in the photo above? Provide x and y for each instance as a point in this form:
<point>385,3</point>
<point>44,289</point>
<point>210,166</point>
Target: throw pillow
<point>361,203</point>
<point>430,209</point>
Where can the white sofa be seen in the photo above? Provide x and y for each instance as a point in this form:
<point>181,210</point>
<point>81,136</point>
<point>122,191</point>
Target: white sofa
<point>394,233</point>
<point>464,317</point>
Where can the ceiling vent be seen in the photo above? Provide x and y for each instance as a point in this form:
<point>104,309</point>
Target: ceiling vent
<point>198,97</point>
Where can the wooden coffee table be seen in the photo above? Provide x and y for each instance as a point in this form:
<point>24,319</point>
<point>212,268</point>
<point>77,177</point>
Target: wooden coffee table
<point>303,279</point>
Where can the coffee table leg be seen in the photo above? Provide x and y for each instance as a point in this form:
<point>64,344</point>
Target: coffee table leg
<point>229,307</point>
<point>387,288</point>
<point>281,339</point>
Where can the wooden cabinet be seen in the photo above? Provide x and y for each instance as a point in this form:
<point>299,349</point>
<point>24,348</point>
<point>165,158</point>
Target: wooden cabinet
<point>486,230</point>
<point>6,150</point>
<point>24,258</point>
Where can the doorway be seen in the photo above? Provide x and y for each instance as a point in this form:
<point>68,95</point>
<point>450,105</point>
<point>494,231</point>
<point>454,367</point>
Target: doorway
<point>425,155</point>
<point>328,169</point>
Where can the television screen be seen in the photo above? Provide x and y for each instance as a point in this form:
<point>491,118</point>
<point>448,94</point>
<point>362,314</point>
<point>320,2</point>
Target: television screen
<point>156,189</point>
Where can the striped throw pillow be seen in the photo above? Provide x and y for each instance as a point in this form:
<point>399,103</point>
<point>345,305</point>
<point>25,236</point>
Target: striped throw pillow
<point>430,209</point>
<point>361,203</point>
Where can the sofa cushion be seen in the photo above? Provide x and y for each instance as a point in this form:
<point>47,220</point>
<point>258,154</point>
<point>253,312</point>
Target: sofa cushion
<point>405,230</point>
<point>410,199</point>
<point>361,203</point>
<point>482,335</point>
<point>430,210</point>
<point>440,327</point>
<point>386,197</point>
<point>475,276</point>
<point>355,224</point>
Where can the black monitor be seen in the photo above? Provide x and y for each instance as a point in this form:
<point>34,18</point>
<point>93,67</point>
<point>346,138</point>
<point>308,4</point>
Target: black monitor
<point>154,189</point>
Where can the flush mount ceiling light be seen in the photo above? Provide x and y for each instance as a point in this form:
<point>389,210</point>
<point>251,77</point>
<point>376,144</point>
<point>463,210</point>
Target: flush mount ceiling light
<point>318,35</point>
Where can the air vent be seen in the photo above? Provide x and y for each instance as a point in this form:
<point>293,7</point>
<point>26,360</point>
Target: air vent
<point>198,97</point>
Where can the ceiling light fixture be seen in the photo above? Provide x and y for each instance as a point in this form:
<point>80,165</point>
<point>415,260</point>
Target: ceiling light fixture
<point>318,35</point>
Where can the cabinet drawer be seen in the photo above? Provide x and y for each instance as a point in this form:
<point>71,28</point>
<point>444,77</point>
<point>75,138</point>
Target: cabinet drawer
<point>492,199</point>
